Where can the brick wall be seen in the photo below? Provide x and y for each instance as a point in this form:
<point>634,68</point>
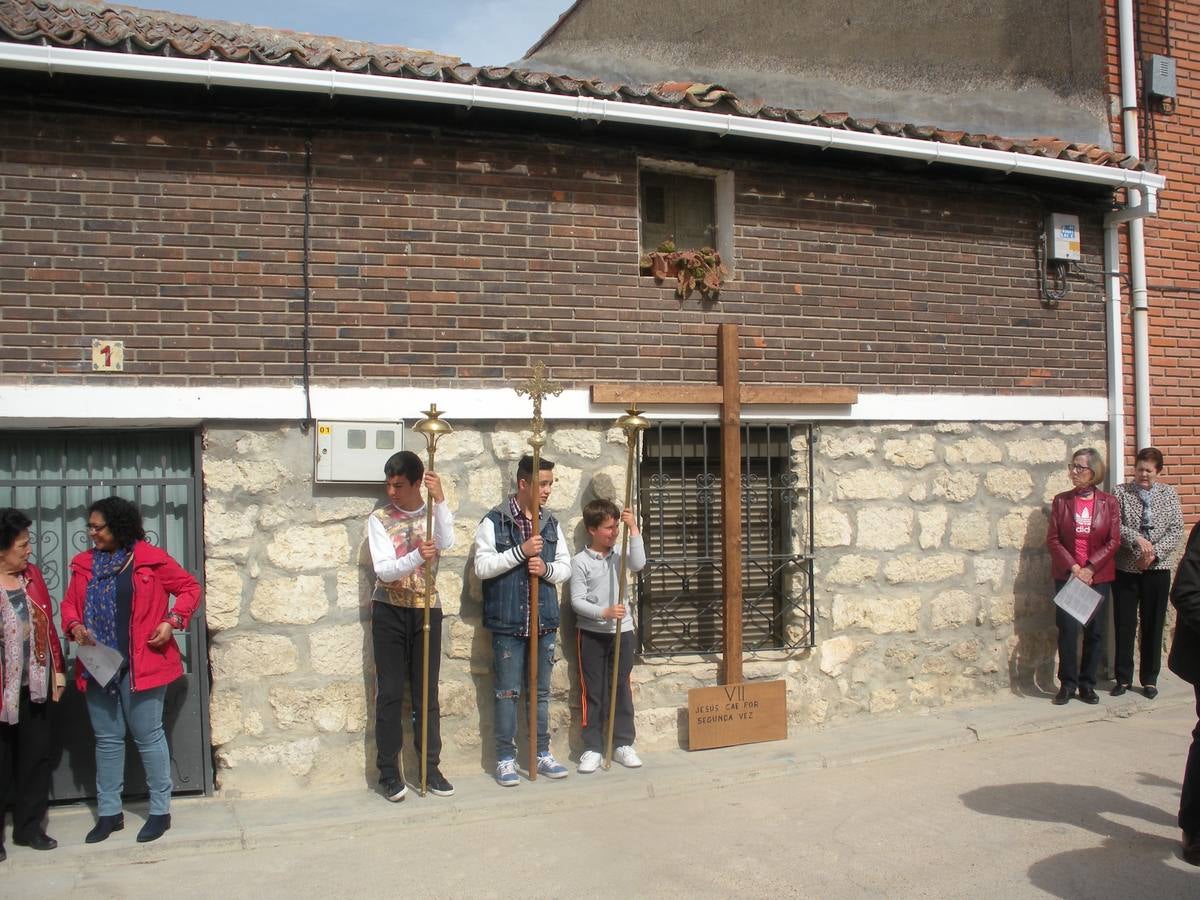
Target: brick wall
<point>1172,266</point>
<point>440,256</point>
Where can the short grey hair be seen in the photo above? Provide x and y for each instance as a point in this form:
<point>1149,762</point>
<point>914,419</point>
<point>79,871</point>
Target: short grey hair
<point>1095,463</point>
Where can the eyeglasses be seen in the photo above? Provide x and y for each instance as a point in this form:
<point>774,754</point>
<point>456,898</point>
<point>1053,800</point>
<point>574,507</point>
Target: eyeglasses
<point>1076,469</point>
<point>94,529</point>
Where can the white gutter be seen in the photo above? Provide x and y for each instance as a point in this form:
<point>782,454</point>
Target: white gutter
<point>1116,379</point>
<point>1139,305</point>
<point>216,73</point>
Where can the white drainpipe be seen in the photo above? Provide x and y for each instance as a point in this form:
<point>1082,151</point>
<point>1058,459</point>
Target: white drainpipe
<point>1139,305</point>
<point>1116,386</point>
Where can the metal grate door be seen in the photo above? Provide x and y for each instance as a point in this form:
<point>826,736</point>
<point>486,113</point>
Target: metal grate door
<point>53,477</point>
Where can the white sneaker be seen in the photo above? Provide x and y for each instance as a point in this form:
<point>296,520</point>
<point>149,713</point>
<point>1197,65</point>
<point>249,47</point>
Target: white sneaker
<point>589,762</point>
<point>627,757</point>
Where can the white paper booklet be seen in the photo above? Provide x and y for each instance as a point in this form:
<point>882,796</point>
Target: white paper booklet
<point>101,660</point>
<point>1078,599</point>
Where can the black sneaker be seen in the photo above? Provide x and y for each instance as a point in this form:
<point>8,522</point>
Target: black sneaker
<point>393,789</point>
<point>437,784</point>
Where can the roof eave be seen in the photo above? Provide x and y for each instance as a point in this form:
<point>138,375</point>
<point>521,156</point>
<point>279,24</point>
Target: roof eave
<point>218,73</point>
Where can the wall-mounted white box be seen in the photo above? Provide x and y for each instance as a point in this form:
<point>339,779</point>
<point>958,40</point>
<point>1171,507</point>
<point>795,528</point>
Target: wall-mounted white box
<point>355,452</point>
<point>1062,237</point>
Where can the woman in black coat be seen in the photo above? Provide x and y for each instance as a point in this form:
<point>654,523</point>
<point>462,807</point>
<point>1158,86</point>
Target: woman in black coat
<point>1184,661</point>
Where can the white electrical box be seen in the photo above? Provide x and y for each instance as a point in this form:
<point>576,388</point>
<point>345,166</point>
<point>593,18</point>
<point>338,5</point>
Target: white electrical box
<point>1062,237</point>
<point>355,451</point>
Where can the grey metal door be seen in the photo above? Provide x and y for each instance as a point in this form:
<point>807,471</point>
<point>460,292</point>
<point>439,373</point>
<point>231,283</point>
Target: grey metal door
<point>53,476</point>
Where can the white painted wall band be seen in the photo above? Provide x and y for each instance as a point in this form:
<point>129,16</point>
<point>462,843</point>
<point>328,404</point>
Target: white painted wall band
<point>102,406</point>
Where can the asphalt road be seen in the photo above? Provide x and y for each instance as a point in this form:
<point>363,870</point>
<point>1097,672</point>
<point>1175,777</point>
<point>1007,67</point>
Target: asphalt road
<point>1082,811</point>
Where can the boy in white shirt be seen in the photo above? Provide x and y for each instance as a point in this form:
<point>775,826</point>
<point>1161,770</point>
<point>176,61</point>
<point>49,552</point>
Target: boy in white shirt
<point>594,594</point>
<point>400,551</point>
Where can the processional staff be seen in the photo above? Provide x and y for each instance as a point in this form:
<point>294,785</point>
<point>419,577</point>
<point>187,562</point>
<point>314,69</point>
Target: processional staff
<point>431,428</point>
<point>537,387</point>
<point>632,424</point>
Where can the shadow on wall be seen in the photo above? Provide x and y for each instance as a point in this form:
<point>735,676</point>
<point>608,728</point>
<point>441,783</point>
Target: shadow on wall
<point>1031,662</point>
<point>1127,862</point>
<point>366,586</point>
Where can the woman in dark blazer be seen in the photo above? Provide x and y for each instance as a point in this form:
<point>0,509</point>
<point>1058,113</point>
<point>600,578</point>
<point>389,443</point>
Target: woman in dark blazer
<point>1083,537</point>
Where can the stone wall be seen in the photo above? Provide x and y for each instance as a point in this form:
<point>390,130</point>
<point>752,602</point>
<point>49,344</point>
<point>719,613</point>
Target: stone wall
<point>932,587</point>
<point>288,599</point>
<point>932,579</point>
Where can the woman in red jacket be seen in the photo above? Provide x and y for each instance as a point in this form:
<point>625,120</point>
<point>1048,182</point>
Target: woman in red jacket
<point>31,672</point>
<point>1083,537</point>
<point>118,597</point>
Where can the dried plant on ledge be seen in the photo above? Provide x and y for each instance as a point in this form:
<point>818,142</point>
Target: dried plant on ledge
<point>694,270</point>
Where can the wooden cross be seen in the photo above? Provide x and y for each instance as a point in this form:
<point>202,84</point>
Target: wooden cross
<point>730,396</point>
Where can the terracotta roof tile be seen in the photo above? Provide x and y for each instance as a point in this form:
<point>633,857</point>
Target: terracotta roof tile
<point>125,29</point>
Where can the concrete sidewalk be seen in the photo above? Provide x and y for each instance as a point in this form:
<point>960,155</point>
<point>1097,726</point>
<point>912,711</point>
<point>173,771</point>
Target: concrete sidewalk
<point>223,825</point>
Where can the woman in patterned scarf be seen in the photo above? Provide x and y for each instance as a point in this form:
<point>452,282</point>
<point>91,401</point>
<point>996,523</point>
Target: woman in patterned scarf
<point>118,596</point>
<point>1151,529</point>
<point>31,672</point>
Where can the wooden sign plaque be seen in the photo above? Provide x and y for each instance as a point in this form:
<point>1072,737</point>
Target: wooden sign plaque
<point>732,714</point>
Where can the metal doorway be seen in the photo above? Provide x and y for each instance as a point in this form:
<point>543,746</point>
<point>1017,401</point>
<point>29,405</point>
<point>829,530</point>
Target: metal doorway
<point>53,477</point>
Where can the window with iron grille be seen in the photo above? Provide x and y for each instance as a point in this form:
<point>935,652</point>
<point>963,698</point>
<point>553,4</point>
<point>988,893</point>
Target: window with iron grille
<point>680,598</point>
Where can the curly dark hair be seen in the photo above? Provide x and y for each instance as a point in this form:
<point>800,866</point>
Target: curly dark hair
<point>12,523</point>
<point>124,519</point>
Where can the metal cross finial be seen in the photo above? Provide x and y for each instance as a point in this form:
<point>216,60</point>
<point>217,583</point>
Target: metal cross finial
<point>537,387</point>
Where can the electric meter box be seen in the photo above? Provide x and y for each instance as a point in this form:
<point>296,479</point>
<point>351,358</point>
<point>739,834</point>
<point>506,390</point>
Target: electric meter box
<point>1062,237</point>
<point>354,452</point>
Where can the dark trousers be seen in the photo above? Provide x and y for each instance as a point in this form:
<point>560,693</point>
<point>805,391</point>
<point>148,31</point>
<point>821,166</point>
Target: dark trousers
<point>595,673</point>
<point>1189,800</point>
<point>25,757</point>
<point>1140,599</point>
<point>1071,672</point>
<point>396,633</point>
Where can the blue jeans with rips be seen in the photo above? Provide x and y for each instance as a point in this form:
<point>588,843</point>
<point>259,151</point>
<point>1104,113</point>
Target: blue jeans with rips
<point>511,675</point>
<point>142,712</point>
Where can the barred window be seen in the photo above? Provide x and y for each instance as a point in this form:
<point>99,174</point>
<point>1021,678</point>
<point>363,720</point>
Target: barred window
<point>680,598</point>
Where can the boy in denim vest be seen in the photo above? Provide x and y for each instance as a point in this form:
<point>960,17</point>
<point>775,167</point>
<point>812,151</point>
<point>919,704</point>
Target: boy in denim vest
<point>507,553</point>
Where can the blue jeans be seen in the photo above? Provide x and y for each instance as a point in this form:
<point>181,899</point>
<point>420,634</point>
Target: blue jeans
<point>142,711</point>
<point>511,675</point>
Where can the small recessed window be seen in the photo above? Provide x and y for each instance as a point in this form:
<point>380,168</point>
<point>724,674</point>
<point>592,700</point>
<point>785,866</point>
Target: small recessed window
<point>385,440</point>
<point>678,208</point>
<point>356,438</point>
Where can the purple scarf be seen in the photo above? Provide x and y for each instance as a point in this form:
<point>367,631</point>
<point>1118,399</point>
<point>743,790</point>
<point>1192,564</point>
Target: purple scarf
<point>100,602</point>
